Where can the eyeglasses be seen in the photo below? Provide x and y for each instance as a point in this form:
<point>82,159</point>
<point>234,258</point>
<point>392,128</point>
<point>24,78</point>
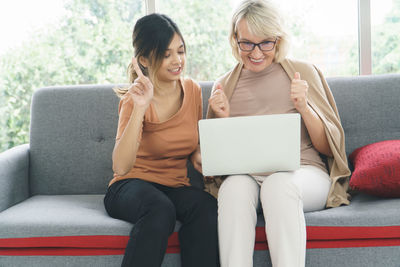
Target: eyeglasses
<point>263,46</point>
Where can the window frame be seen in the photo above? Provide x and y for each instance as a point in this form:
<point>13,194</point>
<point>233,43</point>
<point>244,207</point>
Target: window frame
<point>364,37</point>
<point>150,6</point>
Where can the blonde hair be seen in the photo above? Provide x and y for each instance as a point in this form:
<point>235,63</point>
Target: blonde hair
<point>263,19</point>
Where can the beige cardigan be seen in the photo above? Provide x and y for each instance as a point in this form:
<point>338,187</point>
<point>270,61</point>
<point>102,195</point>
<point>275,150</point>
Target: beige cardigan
<point>321,100</point>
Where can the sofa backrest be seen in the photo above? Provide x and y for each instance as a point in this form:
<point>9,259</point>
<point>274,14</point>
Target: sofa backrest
<point>72,135</point>
<point>369,108</point>
<point>73,128</point>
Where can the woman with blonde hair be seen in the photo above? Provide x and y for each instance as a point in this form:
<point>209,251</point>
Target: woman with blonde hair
<point>157,133</point>
<point>265,81</point>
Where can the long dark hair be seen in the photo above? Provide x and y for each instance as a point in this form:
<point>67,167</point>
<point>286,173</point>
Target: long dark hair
<point>151,37</point>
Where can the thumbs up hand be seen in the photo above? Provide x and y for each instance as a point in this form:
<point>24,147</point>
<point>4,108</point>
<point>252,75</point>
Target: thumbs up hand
<point>298,93</point>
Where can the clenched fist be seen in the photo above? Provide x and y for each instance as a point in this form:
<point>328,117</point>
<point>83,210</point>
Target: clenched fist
<point>219,102</point>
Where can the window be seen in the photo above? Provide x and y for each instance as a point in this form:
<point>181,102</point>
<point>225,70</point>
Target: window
<point>318,36</point>
<point>325,33</point>
<point>385,38</point>
<point>87,42</point>
<point>205,31</point>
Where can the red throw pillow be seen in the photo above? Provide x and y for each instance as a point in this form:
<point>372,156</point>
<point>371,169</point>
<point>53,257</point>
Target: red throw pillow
<point>377,169</point>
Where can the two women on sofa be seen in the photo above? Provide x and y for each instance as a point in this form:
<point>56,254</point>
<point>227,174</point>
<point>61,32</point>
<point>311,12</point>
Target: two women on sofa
<point>157,133</point>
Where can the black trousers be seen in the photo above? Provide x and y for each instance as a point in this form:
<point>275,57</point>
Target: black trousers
<point>154,209</point>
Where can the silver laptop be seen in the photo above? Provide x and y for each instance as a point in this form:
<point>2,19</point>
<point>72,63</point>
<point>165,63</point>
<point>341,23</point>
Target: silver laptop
<point>251,144</point>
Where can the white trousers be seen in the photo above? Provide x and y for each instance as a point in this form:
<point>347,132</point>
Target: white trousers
<point>284,196</point>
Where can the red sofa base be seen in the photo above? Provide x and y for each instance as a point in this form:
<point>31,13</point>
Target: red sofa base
<point>317,236</point>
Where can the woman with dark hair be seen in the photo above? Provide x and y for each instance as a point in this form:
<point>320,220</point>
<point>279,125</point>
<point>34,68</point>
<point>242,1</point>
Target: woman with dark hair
<point>157,133</point>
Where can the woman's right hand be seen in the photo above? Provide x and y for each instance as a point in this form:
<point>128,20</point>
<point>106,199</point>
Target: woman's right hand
<point>219,102</point>
<point>142,90</point>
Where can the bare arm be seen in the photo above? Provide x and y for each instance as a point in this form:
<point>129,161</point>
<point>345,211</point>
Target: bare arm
<point>316,131</point>
<point>125,149</point>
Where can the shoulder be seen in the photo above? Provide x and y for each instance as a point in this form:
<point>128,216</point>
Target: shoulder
<point>299,65</point>
<point>307,70</point>
<point>233,71</point>
<point>191,85</point>
<point>223,78</point>
<point>232,75</point>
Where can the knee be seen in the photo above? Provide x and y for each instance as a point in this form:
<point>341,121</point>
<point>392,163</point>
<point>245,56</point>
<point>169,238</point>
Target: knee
<point>238,196</point>
<point>161,217</point>
<point>278,188</point>
<point>238,189</point>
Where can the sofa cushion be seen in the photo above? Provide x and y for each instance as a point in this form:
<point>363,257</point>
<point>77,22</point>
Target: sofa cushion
<point>367,221</point>
<point>79,225</point>
<point>377,169</point>
<point>64,225</point>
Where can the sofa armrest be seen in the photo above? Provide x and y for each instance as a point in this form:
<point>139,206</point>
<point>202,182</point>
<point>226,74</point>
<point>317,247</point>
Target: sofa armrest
<point>14,176</point>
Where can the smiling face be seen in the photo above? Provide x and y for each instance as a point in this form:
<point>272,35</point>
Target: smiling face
<point>255,60</point>
<point>173,62</point>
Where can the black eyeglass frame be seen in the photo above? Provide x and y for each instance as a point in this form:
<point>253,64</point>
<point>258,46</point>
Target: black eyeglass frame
<point>258,44</point>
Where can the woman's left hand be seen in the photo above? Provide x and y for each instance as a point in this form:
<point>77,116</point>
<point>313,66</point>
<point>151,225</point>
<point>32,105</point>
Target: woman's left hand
<point>298,93</point>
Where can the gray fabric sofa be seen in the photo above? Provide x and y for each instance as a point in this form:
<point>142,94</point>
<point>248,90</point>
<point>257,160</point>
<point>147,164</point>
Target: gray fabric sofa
<point>51,190</point>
